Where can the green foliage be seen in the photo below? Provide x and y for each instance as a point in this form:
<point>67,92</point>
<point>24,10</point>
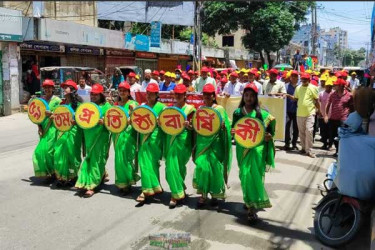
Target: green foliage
<point>271,25</point>
<point>349,57</point>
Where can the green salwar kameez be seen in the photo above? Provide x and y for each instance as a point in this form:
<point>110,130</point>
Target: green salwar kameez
<point>213,158</point>
<point>149,155</point>
<point>97,142</point>
<point>177,152</point>
<point>67,158</point>
<point>253,163</point>
<point>43,156</point>
<point>125,145</point>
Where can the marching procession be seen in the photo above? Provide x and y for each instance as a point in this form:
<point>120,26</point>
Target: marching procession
<point>76,136</point>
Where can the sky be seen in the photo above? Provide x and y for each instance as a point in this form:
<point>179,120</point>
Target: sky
<point>353,16</point>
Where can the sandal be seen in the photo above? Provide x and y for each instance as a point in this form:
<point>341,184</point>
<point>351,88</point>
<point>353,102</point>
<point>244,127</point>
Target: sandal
<point>106,178</point>
<point>172,203</point>
<point>88,193</point>
<point>252,216</point>
<point>141,198</point>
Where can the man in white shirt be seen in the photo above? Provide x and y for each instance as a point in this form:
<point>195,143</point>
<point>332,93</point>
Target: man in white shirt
<point>84,90</point>
<point>252,75</point>
<point>203,80</point>
<point>354,82</point>
<point>274,86</point>
<point>233,87</point>
<point>134,86</point>
<point>147,80</point>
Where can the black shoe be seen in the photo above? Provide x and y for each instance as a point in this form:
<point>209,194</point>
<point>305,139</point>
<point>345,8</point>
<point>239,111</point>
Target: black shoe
<point>294,147</point>
<point>302,151</point>
<point>214,202</point>
<point>286,147</point>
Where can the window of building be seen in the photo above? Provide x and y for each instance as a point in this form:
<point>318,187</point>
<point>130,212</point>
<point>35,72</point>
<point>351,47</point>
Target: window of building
<point>228,41</point>
<point>306,43</point>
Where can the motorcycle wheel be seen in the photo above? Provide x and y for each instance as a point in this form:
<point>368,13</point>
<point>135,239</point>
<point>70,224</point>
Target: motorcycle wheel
<point>336,229</point>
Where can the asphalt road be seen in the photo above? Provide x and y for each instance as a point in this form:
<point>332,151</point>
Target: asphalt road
<point>42,217</point>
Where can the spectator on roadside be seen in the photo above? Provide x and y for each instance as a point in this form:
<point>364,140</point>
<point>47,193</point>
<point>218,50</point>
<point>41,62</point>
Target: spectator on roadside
<point>306,95</point>
<point>147,80</point>
<point>221,84</point>
<point>187,82</point>
<point>178,73</point>
<point>203,80</point>
<point>323,124</point>
<point>273,86</point>
<point>291,109</point>
<point>354,82</point>
<point>83,90</point>
<point>116,79</point>
<point>339,106</point>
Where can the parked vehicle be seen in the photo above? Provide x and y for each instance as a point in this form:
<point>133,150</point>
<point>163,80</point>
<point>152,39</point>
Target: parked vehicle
<point>62,73</point>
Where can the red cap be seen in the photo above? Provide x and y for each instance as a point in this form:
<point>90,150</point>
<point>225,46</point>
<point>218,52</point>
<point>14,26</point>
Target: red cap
<point>197,73</point>
<point>124,85</point>
<point>180,89</point>
<point>274,71</point>
<point>48,82</point>
<point>284,74</point>
<point>224,80</point>
<point>338,74</point>
<point>344,73</point>
<point>97,89</point>
<point>131,74</point>
<point>152,87</point>
<point>162,72</point>
<point>190,72</point>
<point>69,83</point>
<point>251,86</point>
<point>305,76</point>
<point>208,88</point>
<point>224,72</point>
<point>254,72</point>
<point>234,73</point>
<point>204,69</point>
<point>155,72</point>
<point>184,76</point>
<point>340,82</point>
<point>294,72</point>
<point>313,82</point>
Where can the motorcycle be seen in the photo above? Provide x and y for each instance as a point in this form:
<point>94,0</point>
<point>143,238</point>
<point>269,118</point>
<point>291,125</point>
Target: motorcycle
<point>348,190</point>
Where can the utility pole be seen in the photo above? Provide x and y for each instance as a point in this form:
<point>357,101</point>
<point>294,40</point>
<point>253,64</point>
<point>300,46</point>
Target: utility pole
<point>367,44</point>
<point>313,30</point>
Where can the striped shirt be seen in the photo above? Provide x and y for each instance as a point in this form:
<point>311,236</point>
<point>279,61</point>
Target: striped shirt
<point>341,105</point>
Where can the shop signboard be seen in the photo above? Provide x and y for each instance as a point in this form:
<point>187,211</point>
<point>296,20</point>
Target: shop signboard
<point>137,42</point>
<point>84,50</point>
<point>42,47</point>
<point>10,25</point>
<point>155,34</point>
<point>74,33</point>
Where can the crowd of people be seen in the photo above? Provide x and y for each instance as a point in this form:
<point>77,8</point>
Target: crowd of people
<point>78,157</point>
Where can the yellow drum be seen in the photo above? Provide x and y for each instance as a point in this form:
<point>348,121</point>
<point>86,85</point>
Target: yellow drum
<point>88,115</point>
<point>37,110</point>
<point>116,119</point>
<point>172,120</point>
<point>63,118</point>
<point>143,119</point>
<point>249,132</point>
<point>207,121</point>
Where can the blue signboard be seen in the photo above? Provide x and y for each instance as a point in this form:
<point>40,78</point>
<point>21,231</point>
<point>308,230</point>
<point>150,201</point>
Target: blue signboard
<point>155,34</point>
<point>142,43</point>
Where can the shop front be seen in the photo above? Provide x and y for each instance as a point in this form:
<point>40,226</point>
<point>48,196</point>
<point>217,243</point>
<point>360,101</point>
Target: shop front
<point>84,56</point>
<point>146,60</point>
<point>10,35</point>
<point>118,58</point>
<point>167,62</point>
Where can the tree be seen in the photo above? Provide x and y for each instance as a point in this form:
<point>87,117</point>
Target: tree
<point>270,25</point>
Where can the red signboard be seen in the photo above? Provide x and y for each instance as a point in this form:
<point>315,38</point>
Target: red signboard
<point>168,99</point>
<point>145,55</point>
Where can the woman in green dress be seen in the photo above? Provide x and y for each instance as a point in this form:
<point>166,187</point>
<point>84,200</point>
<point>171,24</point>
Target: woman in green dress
<point>254,162</point>
<point>177,149</point>
<point>150,150</point>
<point>125,145</point>
<point>44,151</point>
<point>213,155</point>
<point>97,141</point>
<point>67,158</point>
